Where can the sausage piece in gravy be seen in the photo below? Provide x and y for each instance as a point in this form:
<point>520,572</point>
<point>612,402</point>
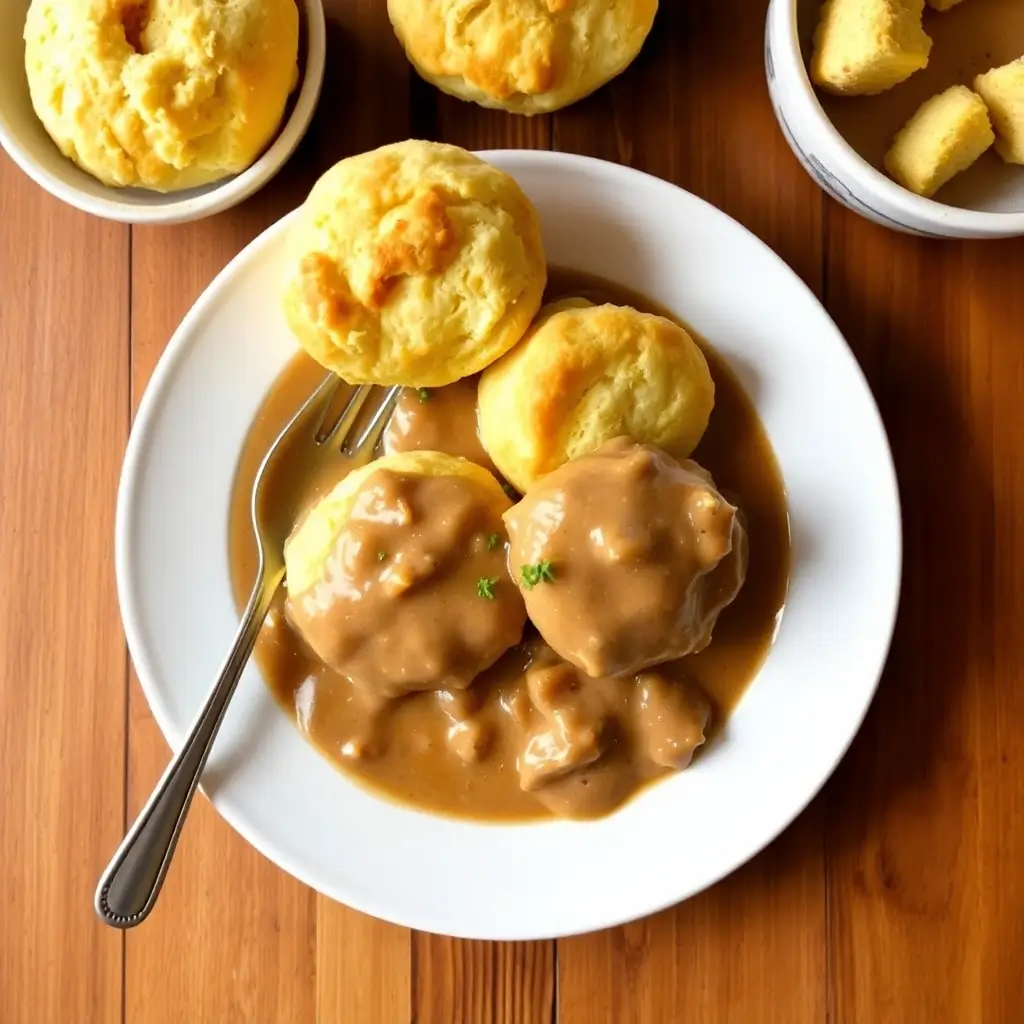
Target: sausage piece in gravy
<point>626,557</point>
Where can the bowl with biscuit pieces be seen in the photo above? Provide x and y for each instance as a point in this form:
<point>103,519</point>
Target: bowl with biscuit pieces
<point>605,603</point>
<point>157,111</point>
<point>909,112</point>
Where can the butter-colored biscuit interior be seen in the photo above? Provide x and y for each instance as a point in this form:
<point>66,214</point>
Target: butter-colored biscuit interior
<point>585,374</point>
<point>863,47</point>
<point>943,138</point>
<point>164,94</point>
<point>414,264</point>
<point>1002,89</point>
<point>526,56</point>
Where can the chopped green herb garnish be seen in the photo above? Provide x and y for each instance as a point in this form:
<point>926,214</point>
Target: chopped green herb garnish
<point>423,394</point>
<point>493,540</point>
<point>485,587</point>
<point>381,555</point>
<point>542,572</point>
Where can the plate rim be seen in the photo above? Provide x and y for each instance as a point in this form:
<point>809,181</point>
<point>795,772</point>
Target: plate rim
<point>177,349</point>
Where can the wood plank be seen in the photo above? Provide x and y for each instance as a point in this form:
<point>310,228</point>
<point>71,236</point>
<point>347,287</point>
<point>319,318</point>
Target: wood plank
<point>925,814</point>
<point>694,110</point>
<point>63,424</point>
<point>751,949</point>
<point>467,982</point>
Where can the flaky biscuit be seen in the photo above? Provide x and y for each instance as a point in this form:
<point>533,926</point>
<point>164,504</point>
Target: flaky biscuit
<point>164,95</point>
<point>585,374</point>
<point>415,264</point>
<point>526,56</point>
<point>307,549</point>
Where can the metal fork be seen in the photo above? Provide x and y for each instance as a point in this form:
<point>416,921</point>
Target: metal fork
<point>129,887</point>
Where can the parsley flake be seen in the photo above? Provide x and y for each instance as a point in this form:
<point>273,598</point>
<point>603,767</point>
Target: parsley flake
<point>423,394</point>
<point>542,572</point>
<point>493,540</point>
<point>485,587</point>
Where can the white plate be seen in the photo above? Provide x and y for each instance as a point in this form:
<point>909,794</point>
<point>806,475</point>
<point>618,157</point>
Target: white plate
<point>553,878</point>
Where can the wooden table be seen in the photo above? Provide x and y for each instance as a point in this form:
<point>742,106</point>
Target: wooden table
<point>897,897</point>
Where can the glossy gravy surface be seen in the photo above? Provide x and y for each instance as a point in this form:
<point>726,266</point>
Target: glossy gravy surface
<point>426,747</point>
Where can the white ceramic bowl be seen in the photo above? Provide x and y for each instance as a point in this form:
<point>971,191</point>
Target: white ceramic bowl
<point>556,877</point>
<point>845,175</point>
<point>24,138</point>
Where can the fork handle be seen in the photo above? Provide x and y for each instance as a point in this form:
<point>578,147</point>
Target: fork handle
<point>129,887</point>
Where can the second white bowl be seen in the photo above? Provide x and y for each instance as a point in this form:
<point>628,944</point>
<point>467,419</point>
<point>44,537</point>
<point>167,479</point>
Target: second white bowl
<point>845,175</point>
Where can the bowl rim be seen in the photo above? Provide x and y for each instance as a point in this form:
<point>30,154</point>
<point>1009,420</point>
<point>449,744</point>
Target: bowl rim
<point>940,216</point>
<point>216,196</point>
<point>135,459</point>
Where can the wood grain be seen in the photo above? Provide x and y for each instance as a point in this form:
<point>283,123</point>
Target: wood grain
<point>462,982</point>
<point>694,109</point>
<point>925,835</point>
<point>63,425</point>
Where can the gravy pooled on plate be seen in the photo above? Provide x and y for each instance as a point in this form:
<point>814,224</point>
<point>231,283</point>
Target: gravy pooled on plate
<point>533,734</point>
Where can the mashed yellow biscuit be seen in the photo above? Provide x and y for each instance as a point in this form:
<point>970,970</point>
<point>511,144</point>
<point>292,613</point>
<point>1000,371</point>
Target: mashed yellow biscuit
<point>526,56</point>
<point>586,374</point>
<point>413,264</point>
<point>307,549</point>
<point>166,94</point>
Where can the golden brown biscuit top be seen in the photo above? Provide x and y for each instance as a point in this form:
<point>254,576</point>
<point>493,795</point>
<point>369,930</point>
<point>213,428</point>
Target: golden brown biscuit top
<point>585,374</point>
<point>420,239</point>
<point>508,48</point>
<point>417,264</point>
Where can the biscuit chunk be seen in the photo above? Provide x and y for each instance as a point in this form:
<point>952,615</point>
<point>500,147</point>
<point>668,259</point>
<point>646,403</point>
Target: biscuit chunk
<point>525,56</point>
<point>413,264</point>
<point>863,47</point>
<point>1002,89</point>
<point>946,135</point>
<point>586,374</point>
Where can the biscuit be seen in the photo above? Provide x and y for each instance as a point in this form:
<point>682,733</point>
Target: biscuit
<point>525,56</point>
<point>946,135</point>
<point>310,542</point>
<point>1002,89</point>
<point>585,374</point>
<point>863,47</point>
<point>164,94</point>
<point>413,264</point>
<point>398,578</point>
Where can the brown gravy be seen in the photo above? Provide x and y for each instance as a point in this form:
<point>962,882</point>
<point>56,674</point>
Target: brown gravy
<point>968,40</point>
<point>428,760</point>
